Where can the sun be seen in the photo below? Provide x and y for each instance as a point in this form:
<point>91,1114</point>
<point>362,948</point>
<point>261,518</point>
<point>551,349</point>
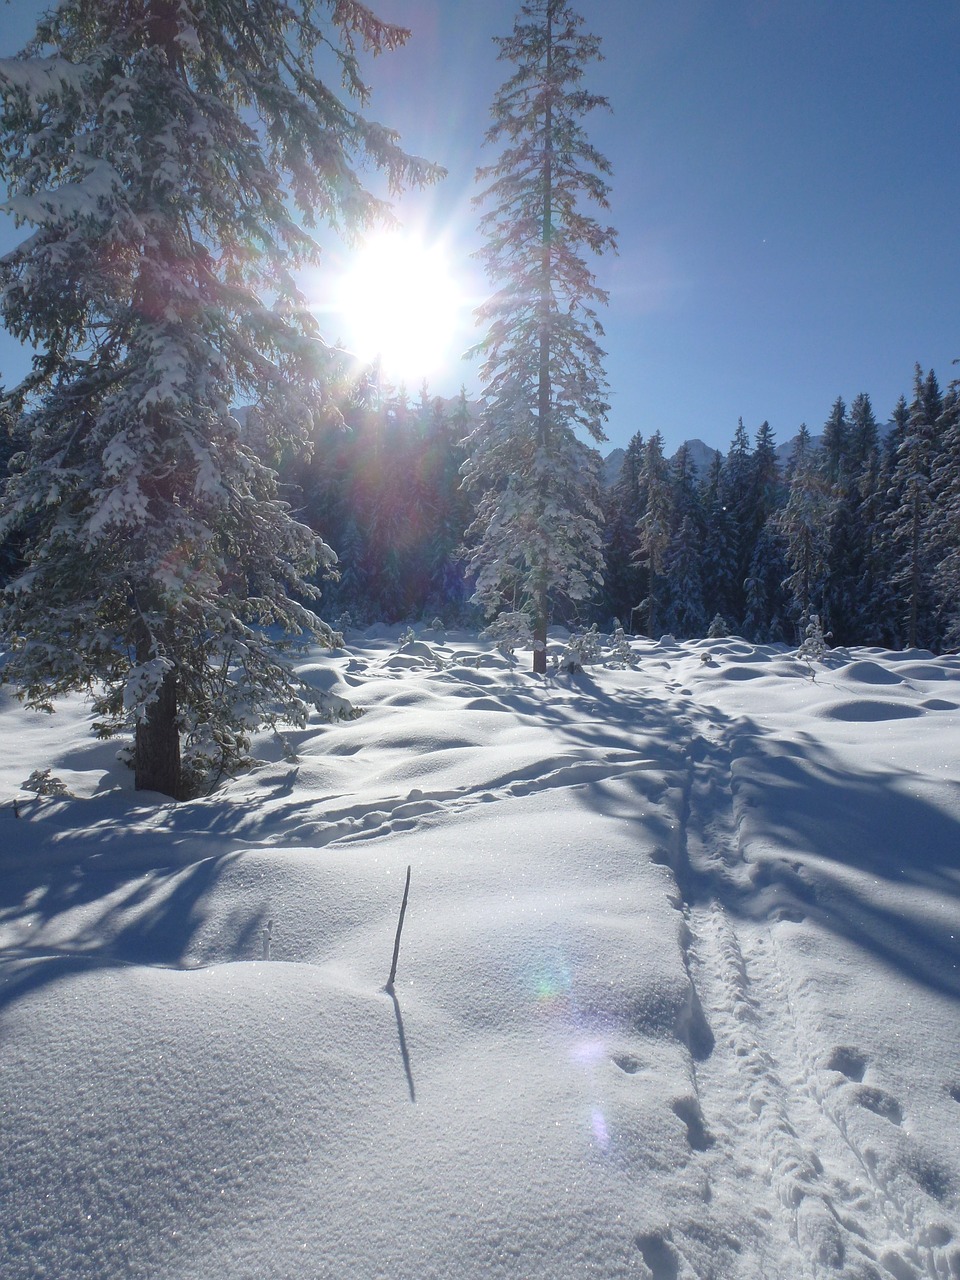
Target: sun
<point>399,300</point>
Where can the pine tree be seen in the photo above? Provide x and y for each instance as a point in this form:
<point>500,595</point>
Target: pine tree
<point>882,613</point>
<point>803,524</point>
<point>624,580</point>
<point>766,482</point>
<point>864,439</point>
<point>943,521</point>
<point>736,495</point>
<point>768,602</point>
<point>835,446</point>
<point>536,538</point>
<point>840,604</point>
<point>718,566</point>
<point>171,158</point>
<point>899,420</point>
<point>686,492</point>
<point>684,585</point>
<point>910,493</point>
<point>654,526</point>
<point>10,546</point>
<point>836,601</point>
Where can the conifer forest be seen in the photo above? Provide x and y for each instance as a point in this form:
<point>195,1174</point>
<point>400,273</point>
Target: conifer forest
<point>858,522</point>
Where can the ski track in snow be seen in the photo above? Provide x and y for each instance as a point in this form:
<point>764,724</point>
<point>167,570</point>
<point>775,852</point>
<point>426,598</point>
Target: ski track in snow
<point>827,1195</point>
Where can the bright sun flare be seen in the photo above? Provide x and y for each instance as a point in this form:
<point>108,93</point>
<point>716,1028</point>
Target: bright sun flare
<point>400,301</point>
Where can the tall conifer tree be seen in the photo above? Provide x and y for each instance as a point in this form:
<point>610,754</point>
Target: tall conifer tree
<point>536,538</point>
<point>803,524</point>
<point>624,580</point>
<point>835,446</point>
<point>654,527</point>
<point>169,156</point>
<point>736,491</point>
<point>719,552</point>
<point>911,496</point>
<point>943,522</point>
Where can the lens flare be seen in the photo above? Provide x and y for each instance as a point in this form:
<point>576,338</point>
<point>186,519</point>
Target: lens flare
<point>399,300</point>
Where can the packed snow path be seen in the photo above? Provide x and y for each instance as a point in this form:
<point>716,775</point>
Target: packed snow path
<point>677,994</point>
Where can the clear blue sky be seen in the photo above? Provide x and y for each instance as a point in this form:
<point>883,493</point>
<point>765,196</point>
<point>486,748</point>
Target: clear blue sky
<point>786,192</point>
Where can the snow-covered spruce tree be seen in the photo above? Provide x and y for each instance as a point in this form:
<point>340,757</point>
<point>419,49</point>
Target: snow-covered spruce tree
<point>768,602</point>
<point>766,484</point>
<point>874,590</point>
<point>736,489</point>
<point>536,537</point>
<point>804,524</point>
<point>684,584</point>
<point>168,155</point>
<point>9,445</point>
<point>719,548</point>
<point>911,495</point>
<point>654,528</point>
<point>835,447</point>
<point>943,521</point>
<point>624,581</point>
<point>864,445</point>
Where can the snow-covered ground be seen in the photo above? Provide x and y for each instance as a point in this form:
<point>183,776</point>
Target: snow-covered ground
<point>677,992</point>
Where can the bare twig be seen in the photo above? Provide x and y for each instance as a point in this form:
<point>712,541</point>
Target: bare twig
<point>396,945</point>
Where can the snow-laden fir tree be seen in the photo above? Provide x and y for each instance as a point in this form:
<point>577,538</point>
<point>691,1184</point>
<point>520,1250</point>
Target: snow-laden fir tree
<point>804,525</point>
<point>835,447</point>
<point>170,157</point>
<point>864,440</point>
<point>624,581</point>
<point>684,584</point>
<point>874,592</point>
<point>536,537</point>
<point>719,548</point>
<point>910,496</point>
<point>685,616</point>
<point>654,528</point>
<point>766,483</point>
<point>738,498</point>
<point>767,598</point>
<point>943,521</point>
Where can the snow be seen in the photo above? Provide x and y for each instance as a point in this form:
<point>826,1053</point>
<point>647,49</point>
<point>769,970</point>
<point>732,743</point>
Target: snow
<point>676,997</point>
<point>39,79</point>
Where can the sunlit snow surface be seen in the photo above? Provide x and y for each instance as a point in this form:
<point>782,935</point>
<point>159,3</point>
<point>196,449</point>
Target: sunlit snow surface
<point>677,993</point>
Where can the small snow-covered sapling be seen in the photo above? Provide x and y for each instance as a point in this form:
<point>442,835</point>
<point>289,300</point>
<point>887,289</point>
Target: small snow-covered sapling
<point>814,646</point>
<point>45,783</point>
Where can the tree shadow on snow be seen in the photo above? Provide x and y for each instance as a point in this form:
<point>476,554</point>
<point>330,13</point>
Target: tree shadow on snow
<point>60,916</point>
<point>869,856</point>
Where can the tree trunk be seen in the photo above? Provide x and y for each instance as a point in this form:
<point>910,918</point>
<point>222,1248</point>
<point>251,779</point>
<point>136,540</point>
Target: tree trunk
<point>157,744</point>
<point>540,634</point>
<point>913,617</point>
<point>544,397</point>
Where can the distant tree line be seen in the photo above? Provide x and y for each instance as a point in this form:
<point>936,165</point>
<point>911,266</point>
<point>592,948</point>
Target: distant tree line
<point>861,527</point>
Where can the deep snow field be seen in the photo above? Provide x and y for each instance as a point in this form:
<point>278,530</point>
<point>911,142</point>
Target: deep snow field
<point>677,992</point>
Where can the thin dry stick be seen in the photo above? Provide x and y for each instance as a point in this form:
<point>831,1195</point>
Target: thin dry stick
<point>396,945</point>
